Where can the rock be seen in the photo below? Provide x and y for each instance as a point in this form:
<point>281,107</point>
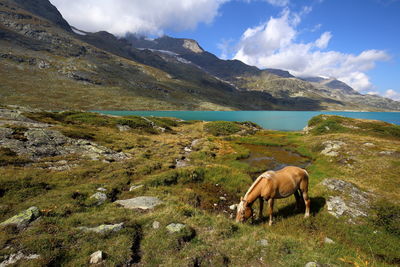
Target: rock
<point>144,203</point>
<point>156,225</point>
<point>180,163</point>
<point>96,257</point>
<point>100,197</point>
<point>222,198</point>
<point>369,144</point>
<point>327,240</point>
<point>134,187</point>
<point>187,149</point>
<point>104,228</point>
<point>312,264</point>
<point>233,207</point>
<point>332,148</point>
<point>351,202</point>
<point>22,219</point>
<point>123,128</point>
<point>101,189</point>
<point>14,258</point>
<point>263,242</point>
<point>175,227</point>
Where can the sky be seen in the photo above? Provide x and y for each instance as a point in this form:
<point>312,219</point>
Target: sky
<point>355,41</point>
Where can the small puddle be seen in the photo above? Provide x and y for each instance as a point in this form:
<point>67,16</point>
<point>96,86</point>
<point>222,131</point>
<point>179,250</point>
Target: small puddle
<point>263,158</point>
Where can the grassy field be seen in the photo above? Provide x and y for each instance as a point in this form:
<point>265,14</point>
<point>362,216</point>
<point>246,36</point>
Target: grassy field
<point>199,195</point>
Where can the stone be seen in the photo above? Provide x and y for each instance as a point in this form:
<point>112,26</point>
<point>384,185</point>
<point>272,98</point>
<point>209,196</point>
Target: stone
<point>123,128</point>
<point>104,228</point>
<point>175,227</point>
<point>101,189</point>
<point>312,264</point>
<point>233,207</point>
<point>100,197</point>
<point>187,149</point>
<point>143,203</point>
<point>263,242</point>
<point>332,148</point>
<point>327,240</point>
<point>369,144</point>
<point>222,198</point>
<point>96,257</point>
<point>135,187</point>
<point>14,258</point>
<point>351,202</point>
<point>23,219</point>
<point>156,225</point>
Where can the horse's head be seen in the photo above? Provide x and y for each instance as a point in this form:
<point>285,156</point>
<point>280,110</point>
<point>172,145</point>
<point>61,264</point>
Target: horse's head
<point>243,211</point>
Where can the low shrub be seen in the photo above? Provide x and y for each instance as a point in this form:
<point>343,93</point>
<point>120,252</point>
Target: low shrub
<point>219,128</point>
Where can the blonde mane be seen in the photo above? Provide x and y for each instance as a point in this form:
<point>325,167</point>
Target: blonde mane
<point>266,175</point>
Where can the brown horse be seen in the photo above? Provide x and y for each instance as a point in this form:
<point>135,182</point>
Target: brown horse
<point>271,185</point>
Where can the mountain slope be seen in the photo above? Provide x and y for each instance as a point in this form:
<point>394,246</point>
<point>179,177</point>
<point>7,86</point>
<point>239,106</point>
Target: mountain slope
<point>48,64</point>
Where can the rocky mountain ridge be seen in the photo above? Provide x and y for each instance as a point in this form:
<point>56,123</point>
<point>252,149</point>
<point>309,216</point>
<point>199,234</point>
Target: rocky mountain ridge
<point>42,56</point>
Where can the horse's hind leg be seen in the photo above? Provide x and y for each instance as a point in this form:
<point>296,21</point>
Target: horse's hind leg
<point>271,210</point>
<point>304,191</point>
<point>260,214</point>
<point>298,200</point>
<point>307,201</point>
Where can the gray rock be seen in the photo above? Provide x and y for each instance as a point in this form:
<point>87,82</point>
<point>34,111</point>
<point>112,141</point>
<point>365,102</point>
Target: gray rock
<point>144,203</point>
<point>332,148</point>
<point>22,219</point>
<point>156,225</point>
<point>351,201</point>
<point>14,258</point>
<point>175,227</point>
<point>233,207</point>
<point>96,257</point>
<point>100,197</point>
<point>327,240</point>
<point>104,228</point>
<point>312,264</point>
<point>123,128</point>
<point>369,144</point>
<point>263,242</point>
<point>135,187</point>
<point>101,189</point>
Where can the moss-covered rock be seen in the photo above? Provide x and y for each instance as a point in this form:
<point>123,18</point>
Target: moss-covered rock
<point>22,219</point>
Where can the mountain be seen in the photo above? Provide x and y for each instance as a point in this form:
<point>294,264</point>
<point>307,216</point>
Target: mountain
<point>49,64</point>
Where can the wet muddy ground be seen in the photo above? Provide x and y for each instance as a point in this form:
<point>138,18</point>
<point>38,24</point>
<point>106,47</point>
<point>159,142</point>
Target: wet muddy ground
<point>263,158</point>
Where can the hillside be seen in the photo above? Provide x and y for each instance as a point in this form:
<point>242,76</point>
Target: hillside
<point>73,190</point>
<point>46,63</point>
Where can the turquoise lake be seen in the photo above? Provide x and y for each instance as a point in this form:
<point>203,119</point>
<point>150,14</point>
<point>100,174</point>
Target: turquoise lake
<point>275,120</point>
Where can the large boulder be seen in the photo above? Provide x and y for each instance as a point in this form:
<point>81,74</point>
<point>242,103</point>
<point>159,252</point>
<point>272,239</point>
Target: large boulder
<point>143,203</point>
<point>349,199</point>
<point>23,219</point>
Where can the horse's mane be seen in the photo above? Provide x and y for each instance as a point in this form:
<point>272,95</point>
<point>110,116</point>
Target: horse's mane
<point>266,175</point>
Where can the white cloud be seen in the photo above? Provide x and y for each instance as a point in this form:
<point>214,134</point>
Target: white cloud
<point>138,16</point>
<point>273,44</point>
<point>392,94</point>
<point>323,41</point>
<point>278,2</point>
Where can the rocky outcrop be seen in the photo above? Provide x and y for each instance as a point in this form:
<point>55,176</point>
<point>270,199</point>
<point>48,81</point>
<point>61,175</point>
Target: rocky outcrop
<point>35,140</point>
<point>332,148</point>
<point>16,257</point>
<point>350,201</point>
<point>143,203</point>
<point>22,219</point>
<point>104,228</point>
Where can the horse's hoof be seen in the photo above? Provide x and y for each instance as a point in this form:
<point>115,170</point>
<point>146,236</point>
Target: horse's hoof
<point>270,223</point>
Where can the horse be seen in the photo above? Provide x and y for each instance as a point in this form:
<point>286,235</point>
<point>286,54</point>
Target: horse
<point>272,185</point>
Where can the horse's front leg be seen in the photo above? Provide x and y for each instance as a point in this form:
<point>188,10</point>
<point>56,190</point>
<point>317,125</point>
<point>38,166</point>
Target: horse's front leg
<point>260,214</point>
<point>271,210</point>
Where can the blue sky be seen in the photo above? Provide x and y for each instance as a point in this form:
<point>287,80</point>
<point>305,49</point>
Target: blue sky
<point>356,41</point>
